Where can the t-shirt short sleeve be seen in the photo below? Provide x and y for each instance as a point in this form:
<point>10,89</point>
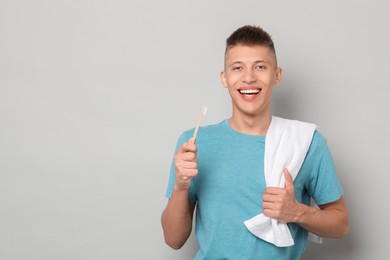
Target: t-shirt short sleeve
<point>323,183</point>
<point>172,177</point>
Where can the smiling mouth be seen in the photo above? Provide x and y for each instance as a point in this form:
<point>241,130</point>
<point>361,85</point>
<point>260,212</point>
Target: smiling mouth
<point>249,91</point>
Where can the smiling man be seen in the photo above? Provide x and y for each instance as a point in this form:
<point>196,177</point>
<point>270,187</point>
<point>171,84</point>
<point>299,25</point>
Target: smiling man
<point>222,175</point>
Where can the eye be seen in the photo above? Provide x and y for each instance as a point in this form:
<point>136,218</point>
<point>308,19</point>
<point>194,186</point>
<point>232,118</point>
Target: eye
<point>261,67</point>
<point>237,68</point>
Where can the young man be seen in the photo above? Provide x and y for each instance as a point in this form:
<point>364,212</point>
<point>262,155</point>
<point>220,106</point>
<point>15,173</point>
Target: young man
<point>222,173</point>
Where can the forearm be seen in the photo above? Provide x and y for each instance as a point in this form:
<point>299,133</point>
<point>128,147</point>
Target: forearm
<point>176,219</point>
<point>330,221</point>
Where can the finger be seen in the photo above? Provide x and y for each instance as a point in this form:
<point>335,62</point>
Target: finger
<point>271,198</point>
<point>273,191</point>
<point>191,147</point>
<point>181,158</point>
<point>188,147</point>
<point>269,213</point>
<point>189,173</point>
<point>188,156</point>
<point>289,181</point>
<point>269,205</point>
<point>187,165</point>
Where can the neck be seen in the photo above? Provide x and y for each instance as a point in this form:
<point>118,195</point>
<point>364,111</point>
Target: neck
<point>252,125</point>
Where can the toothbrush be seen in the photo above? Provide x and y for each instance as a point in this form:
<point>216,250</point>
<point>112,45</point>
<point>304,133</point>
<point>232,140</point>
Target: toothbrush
<point>202,113</point>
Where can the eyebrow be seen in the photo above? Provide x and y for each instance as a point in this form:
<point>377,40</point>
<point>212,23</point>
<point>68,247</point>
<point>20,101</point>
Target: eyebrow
<point>256,62</point>
<point>262,61</point>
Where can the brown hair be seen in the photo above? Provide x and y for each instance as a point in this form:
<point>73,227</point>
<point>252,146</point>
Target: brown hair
<point>250,35</point>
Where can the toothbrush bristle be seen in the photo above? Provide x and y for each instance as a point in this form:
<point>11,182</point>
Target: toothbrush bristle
<point>204,110</point>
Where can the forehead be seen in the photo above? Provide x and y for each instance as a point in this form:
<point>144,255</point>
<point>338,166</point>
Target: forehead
<point>248,54</point>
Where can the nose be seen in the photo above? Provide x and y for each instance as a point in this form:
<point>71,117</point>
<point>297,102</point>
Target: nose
<point>248,77</point>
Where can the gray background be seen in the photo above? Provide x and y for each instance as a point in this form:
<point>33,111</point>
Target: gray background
<point>94,94</point>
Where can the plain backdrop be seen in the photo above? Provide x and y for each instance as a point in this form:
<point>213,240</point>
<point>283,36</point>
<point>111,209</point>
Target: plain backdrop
<point>94,94</point>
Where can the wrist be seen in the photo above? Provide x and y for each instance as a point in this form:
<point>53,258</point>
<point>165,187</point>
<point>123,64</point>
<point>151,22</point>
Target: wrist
<point>306,214</point>
<point>181,188</point>
<point>302,211</point>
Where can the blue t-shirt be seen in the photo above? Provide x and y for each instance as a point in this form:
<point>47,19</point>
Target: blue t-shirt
<point>229,187</point>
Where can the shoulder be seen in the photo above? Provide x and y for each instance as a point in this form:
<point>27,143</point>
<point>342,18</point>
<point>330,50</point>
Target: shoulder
<point>318,149</point>
<point>206,130</point>
<point>284,122</point>
<point>318,141</point>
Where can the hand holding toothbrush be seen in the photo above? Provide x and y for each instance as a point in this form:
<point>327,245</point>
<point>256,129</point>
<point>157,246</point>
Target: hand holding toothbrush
<point>186,161</point>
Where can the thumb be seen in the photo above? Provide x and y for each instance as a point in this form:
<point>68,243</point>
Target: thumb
<point>192,140</point>
<point>289,181</point>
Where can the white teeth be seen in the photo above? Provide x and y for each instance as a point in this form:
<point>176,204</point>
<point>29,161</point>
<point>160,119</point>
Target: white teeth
<point>249,91</point>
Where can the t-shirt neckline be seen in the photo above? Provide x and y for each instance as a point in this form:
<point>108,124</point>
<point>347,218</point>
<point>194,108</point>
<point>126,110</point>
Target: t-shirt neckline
<point>243,135</point>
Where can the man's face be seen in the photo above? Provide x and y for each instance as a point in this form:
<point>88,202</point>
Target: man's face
<point>250,75</point>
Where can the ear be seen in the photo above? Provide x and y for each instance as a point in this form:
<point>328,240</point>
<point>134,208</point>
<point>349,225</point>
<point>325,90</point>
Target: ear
<point>278,75</point>
<point>222,77</point>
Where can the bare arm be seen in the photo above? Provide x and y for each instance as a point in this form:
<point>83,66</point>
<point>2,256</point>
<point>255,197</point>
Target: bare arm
<point>331,220</point>
<point>176,219</point>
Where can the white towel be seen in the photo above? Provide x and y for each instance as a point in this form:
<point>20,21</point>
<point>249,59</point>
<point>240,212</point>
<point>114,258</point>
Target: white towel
<point>286,146</point>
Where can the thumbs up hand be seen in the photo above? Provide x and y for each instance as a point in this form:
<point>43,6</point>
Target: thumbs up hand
<point>281,203</point>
